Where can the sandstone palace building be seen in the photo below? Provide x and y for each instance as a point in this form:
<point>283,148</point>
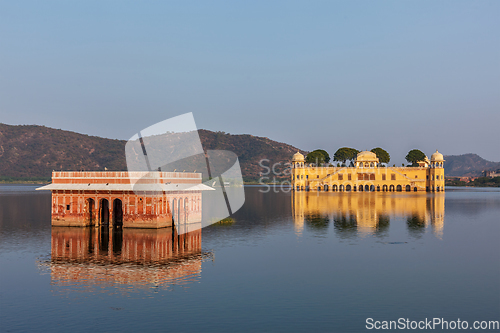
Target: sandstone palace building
<point>368,175</point>
<point>125,199</point>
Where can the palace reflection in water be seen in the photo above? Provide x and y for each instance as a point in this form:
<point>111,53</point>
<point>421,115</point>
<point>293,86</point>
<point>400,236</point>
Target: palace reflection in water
<point>115,256</point>
<point>361,214</point>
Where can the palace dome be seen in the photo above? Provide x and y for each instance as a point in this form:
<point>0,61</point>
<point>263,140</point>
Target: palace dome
<point>298,157</point>
<point>437,157</point>
<point>366,156</point>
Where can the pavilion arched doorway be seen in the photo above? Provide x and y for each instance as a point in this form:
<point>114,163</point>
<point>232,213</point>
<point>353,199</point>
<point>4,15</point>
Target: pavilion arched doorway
<point>90,208</point>
<point>104,211</point>
<point>117,212</point>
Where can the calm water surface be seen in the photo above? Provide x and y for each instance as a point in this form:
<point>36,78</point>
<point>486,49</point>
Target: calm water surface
<point>290,263</point>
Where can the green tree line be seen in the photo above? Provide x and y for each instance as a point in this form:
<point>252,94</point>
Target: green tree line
<point>345,154</point>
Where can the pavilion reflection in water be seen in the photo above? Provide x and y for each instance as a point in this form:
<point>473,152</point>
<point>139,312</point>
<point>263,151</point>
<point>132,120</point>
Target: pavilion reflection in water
<point>125,257</point>
<point>360,214</point>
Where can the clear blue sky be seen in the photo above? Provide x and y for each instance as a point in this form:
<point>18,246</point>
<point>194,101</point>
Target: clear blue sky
<point>323,74</point>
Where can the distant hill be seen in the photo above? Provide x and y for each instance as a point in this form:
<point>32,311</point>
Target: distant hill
<point>470,165</point>
<point>250,150</point>
<point>34,151</point>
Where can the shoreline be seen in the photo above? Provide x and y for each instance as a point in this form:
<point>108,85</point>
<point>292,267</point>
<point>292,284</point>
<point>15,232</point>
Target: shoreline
<point>34,182</point>
<point>25,182</point>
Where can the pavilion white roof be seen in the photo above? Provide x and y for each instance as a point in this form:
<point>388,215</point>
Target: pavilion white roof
<point>128,187</point>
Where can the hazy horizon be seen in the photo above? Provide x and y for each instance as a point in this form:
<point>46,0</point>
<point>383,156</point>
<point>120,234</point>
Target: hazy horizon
<point>396,75</point>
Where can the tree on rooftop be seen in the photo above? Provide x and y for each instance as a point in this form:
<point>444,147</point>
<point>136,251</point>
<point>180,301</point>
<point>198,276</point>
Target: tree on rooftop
<point>318,156</point>
<point>325,154</point>
<point>345,153</point>
<point>414,156</point>
<point>382,155</point>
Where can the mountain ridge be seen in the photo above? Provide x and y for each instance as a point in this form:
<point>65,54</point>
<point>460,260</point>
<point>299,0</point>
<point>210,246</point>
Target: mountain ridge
<point>467,165</point>
<point>31,151</point>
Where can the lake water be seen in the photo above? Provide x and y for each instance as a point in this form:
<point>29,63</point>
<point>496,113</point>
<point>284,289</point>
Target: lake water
<point>309,262</point>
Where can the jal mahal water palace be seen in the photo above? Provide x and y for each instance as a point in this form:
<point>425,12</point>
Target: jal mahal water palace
<point>368,175</point>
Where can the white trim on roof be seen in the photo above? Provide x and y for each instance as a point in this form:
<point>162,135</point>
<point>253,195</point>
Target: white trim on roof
<point>127,187</point>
